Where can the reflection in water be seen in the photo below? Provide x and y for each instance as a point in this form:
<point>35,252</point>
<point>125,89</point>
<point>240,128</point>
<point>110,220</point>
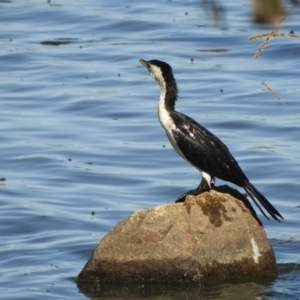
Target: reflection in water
<point>223,292</point>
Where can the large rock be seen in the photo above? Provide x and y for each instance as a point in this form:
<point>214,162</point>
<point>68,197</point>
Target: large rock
<point>210,237</point>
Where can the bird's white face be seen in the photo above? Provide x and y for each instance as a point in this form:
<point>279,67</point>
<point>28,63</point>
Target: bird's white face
<point>156,73</point>
<point>161,72</point>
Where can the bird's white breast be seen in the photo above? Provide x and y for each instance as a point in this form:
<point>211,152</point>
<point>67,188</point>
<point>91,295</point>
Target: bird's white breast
<point>168,124</point>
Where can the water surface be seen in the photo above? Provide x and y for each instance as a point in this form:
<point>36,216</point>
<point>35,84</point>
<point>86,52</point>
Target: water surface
<point>81,146</point>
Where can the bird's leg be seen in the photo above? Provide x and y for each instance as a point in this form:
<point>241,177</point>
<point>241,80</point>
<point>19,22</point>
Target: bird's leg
<point>202,187</point>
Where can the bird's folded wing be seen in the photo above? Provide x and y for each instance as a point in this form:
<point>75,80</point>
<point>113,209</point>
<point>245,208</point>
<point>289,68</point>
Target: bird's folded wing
<point>205,151</point>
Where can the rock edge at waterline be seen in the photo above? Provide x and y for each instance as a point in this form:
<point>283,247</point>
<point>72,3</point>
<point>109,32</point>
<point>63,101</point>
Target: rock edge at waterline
<point>211,237</point>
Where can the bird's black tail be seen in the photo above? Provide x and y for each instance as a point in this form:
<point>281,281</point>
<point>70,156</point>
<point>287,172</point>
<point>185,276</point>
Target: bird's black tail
<point>252,191</point>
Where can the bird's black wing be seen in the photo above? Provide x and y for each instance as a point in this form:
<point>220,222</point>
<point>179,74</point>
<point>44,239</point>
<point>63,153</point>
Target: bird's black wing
<point>205,151</point>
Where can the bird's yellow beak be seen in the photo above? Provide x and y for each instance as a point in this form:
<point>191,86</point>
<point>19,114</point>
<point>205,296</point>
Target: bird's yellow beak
<point>144,63</point>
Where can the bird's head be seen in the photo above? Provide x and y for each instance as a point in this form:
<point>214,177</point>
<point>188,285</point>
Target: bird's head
<point>159,70</point>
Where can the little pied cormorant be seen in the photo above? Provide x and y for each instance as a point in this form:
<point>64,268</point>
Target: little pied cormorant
<point>196,144</point>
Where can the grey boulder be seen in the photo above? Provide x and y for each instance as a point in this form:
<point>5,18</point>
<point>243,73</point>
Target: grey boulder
<point>211,237</point>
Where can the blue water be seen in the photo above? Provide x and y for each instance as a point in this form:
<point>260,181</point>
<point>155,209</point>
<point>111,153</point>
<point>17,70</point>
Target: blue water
<point>81,146</point>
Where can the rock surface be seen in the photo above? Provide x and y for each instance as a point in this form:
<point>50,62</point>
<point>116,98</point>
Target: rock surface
<point>210,237</point>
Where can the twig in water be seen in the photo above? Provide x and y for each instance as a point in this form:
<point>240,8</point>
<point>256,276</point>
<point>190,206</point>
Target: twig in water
<point>270,34</point>
<point>276,96</point>
<point>288,281</point>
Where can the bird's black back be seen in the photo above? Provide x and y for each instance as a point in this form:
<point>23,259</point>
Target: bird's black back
<point>205,151</point>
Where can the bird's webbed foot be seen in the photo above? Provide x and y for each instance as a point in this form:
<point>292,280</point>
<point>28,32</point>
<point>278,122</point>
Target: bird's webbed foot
<point>183,196</point>
<point>203,187</point>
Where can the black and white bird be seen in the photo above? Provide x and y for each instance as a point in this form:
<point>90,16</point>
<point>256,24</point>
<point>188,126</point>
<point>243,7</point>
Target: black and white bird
<point>196,144</point>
